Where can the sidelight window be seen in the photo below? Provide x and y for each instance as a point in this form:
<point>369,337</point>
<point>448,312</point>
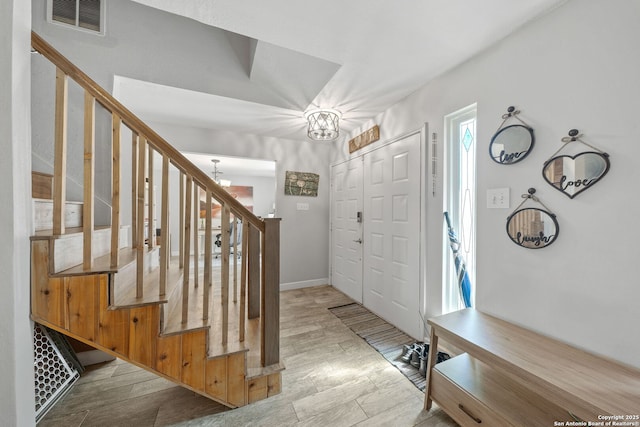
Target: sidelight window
<point>460,201</point>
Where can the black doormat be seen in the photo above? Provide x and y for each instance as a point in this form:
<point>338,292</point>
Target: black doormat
<point>385,338</point>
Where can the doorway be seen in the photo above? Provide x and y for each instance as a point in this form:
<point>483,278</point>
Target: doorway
<point>346,228</point>
<point>375,219</point>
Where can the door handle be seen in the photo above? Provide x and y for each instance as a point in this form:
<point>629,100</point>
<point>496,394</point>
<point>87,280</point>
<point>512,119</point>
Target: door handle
<point>358,241</point>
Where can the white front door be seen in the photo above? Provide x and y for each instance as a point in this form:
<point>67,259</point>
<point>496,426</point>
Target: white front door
<point>346,228</point>
<point>391,249</point>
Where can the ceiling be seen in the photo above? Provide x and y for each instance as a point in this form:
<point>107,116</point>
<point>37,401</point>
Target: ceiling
<point>358,56</point>
<point>229,167</point>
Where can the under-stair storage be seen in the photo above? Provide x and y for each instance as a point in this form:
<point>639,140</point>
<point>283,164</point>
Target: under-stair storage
<point>211,328</point>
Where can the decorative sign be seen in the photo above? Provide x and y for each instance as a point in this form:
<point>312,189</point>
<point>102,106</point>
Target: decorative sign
<point>364,139</point>
<point>301,184</point>
<point>511,144</point>
<point>532,228</point>
<point>573,174</point>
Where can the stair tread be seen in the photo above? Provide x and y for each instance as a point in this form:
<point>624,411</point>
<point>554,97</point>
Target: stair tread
<point>256,372</point>
<point>127,297</point>
<point>69,232</point>
<point>173,319</point>
<point>102,264</point>
<point>68,202</point>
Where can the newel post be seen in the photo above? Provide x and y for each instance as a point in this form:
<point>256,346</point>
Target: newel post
<point>253,271</point>
<point>271,292</point>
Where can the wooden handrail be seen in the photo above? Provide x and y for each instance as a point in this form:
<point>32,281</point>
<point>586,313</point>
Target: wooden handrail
<point>138,126</point>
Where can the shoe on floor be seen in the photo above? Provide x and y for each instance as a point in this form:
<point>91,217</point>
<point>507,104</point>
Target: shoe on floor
<point>409,353</point>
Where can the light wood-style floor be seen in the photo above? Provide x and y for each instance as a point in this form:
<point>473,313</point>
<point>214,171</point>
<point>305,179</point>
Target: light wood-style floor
<point>332,378</point>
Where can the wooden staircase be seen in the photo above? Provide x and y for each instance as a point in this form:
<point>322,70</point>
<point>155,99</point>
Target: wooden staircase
<point>212,329</point>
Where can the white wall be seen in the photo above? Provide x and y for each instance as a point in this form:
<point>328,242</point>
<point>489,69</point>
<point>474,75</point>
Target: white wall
<point>575,68</point>
<point>264,191</point>
<point>304,244</point>
<point>17,402</point>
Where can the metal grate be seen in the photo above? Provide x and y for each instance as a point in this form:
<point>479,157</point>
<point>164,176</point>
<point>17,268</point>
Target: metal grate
<point>53,375</point>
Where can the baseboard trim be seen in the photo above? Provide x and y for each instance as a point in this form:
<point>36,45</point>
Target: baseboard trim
<point>304,284</point>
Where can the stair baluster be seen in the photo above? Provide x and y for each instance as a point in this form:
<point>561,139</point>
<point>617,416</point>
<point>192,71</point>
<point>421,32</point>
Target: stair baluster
<point>134,189</point>
<point>181,219</point>
<point>89,179</point>
<point>196,227</point>
<point>115,189</point>
<point>60,153</point>
<point>187,234</point>
<point>226,235</point>
<point>165,250</point>
<point>141,180</point>
<point>246,228</point>
<point>235,258</point>
<point>151,214</point>
<point>208,254</point>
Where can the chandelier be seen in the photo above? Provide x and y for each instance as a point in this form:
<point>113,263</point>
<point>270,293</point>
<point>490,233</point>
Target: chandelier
<point>323,124</point>
<point>216,174</point>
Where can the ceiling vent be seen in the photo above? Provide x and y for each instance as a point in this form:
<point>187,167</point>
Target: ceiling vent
<point>85,15</point>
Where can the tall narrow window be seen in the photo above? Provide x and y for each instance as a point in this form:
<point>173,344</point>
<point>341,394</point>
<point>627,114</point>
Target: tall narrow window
<point>460,201</point>
<point>82,14</point>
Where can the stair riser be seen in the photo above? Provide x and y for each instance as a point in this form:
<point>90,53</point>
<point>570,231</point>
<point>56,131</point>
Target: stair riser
<point>67,250</point>
<point>41,185</point>
<point>43,214</point>
<point>174,301</point>
<point>127,275</point>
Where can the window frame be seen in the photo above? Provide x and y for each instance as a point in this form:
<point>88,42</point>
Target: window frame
<point>451,300</point>
<point>76,26</point>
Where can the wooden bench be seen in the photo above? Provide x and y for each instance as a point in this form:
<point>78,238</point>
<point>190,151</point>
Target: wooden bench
<point>512,376</point>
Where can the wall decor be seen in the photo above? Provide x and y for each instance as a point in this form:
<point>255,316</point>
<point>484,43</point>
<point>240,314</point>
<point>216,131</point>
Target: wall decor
<point>364,139</point>
<point>511,144</point>
<point>532,228</point>
<point>571,175</point>
<point>301,184</point>
<point>242,193</point>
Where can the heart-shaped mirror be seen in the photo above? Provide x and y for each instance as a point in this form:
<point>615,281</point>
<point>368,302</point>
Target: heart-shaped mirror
<point>511,144</point>
<point>532,228</point>
<point>573,174</point>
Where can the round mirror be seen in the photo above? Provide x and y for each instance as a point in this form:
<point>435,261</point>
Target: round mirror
<point>532,228</point>
<point>573,174</point>
<point>511,144</point>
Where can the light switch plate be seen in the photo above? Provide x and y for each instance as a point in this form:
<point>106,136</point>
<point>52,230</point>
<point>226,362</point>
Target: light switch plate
<point>302,206</point>
<point>498,198</point>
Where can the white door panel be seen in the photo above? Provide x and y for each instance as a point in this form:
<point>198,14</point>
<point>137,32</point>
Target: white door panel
<point>346,230</point>
<point>392,233</point>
